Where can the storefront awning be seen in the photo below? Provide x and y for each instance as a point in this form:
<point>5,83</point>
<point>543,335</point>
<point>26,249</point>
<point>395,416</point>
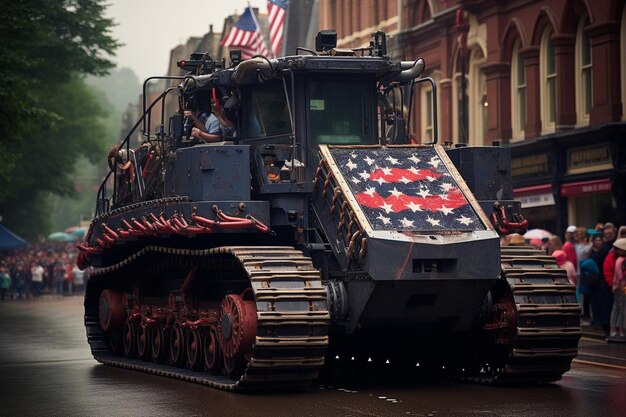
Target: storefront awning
<point>586,187</point>
<point>534,195</point>
<point>9,240</point>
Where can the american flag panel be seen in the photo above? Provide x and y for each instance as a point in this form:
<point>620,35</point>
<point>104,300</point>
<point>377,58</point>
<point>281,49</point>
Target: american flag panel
<point>405,189</point>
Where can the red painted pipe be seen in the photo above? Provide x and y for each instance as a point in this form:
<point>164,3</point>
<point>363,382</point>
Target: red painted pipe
<point>206,222</point>
<point>110,231</point>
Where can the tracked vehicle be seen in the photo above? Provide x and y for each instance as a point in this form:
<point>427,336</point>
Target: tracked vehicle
<point>317,232</point>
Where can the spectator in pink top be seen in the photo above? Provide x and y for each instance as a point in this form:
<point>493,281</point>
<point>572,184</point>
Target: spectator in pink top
<point>569,246</point>
<point>564,263</point>
<point>618,314</point>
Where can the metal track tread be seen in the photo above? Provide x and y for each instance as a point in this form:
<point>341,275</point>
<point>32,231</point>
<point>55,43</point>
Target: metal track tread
<point>548,320</point>
<point>278,361</point>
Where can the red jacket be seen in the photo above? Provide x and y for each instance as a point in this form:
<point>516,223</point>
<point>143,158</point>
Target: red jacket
<point>608,268</point>
<point>570,252</point>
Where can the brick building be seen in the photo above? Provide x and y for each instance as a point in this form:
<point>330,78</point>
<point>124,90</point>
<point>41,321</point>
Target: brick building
<point>545,77</point>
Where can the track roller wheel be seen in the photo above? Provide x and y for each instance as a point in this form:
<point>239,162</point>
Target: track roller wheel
<point>159,344</point>
<point>111,310</point>
<point>212,352</point>
<point>236,330</point>
<point>130,339</point>
<point>143,342</point>
<point>234,367</point>
<point>194,350</point>
<point>177,345</point>
<point>114,339</point>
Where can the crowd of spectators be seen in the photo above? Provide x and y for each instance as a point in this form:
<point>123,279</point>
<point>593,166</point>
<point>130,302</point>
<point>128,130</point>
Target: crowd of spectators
<point>42,268</point>
<point>594,261</point>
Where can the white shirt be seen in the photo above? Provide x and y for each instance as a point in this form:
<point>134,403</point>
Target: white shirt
<point>37,273</point>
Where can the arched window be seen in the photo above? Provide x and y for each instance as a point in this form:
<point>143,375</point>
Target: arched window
<point>518,92</point>
<point>547,66</point>
<point>584,89</point>
<point>460,104</point>
<point>477,99</point>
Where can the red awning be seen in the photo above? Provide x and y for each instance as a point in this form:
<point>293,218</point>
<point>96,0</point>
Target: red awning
<point>533,190</point>
<point>586,187</point>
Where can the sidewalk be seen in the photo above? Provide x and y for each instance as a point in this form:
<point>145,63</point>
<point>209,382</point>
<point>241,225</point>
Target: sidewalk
<point>593,348</point>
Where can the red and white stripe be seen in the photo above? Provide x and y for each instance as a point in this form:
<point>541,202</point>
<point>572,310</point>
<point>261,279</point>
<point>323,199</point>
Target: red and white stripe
<point>250,43</point>
<point>276,22</point>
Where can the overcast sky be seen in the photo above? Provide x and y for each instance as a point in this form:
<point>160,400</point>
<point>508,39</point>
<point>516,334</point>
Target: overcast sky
<point>149,29</point>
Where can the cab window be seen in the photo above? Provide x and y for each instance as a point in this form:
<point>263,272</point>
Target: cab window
<point>268,114</point>
<point>338,112</point>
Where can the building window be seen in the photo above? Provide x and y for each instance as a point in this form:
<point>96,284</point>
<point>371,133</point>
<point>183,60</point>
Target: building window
<point>478,105</point>
<point>548,85</point>
<point>518,93</point>
<point>460,105</point>
<point>426,114</point>
<point>583,75</point>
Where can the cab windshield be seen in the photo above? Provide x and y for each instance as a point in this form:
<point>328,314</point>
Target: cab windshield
<point>338,112</point>
<point>268,111</point>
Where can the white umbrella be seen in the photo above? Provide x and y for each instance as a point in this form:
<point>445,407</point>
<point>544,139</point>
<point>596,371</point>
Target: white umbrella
<point>537,234</point>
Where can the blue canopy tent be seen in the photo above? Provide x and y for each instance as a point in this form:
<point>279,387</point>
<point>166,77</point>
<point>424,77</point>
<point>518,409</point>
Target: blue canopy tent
<point>9,240</point>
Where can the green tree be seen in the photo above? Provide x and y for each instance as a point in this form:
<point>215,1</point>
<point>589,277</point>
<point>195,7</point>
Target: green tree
<point>48,116</point>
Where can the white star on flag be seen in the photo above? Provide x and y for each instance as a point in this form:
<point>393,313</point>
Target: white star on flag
<point>464,220</point>
<point>364,175</point>
<point>392,160</point>
<point>445,210</point>
<point>432,221</point>
<point>446,186</point>
<point>406,222</point>
<point>395,192</point>
<point>387,207</point>
<point>414,207</point>
<point>385,220</point>
<point>351,165</point>
<point>434,161</point>
<point>369,160</point>
<point>415,159</point>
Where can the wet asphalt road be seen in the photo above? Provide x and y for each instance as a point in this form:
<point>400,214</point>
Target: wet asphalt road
<point>46,369</point>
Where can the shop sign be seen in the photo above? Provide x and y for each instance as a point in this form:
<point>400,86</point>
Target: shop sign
<point>536,200</point>
<point>586,187</point>
<point>589,158</point>
<point>534,196</point>
<point>530,165</point>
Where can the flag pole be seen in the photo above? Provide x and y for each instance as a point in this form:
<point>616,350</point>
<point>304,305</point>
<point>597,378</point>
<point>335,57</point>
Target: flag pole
<point>256,22</point>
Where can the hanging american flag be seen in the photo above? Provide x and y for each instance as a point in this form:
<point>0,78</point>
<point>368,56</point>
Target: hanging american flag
<point>246,36</point>
<point>277,10</point>
<point>405,189</point>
